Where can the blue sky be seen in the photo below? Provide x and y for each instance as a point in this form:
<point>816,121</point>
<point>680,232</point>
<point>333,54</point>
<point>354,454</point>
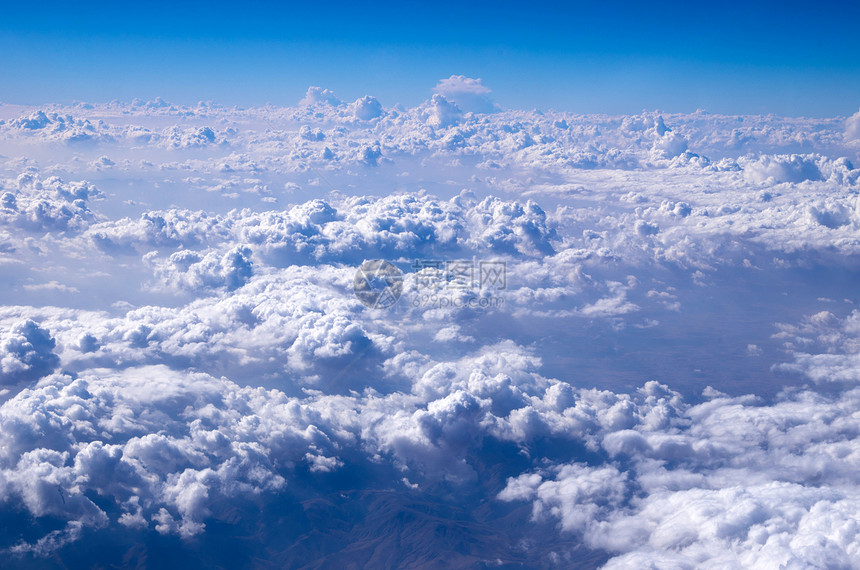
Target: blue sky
<point>788,58</point>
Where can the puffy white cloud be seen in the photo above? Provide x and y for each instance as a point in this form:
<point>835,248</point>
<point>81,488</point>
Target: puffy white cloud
<point>775,169</point>
<point>155,229</point>
<point>577,496</point>
<point>196,137</point>
<point>367,108</point>
<point>26,353</point>
<point>669,145</point>
<point>54,126</point>
<point>442,113</point>
<point>192,271</point>
<point>743,474</point>
<point>214,353</point>
<point>317,95</point>
<point>510,227</point>
<point>173,446</point>
<point>470,95</point>
<point>728,482</point>
<point>852,127</point>
<point>47,205</point>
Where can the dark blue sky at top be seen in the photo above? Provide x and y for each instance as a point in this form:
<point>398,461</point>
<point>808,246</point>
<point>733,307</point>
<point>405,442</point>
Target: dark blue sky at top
<point>796,58</point>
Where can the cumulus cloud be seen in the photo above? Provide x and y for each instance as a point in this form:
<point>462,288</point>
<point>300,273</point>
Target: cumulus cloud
<point>669,145</point>
<point>218,377</point>
<point>197,137</point>
<point>442,113</point>
<point>513,227</point>
<point>316,95</point>
<point>173,449</point>
<point>54,126</point>
<point>852,127</point>
<point>367,108</point>
<point>775,169</point>
<point>470,95</point>
<point>181,441</point>
<point>49,204</point>
<point>726,482</point>
<point>193,271</point>
<point>26,353</point>
<point>156,229</point>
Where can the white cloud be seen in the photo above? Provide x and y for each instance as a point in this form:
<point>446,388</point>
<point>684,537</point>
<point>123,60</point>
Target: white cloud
<point>215,357</point>
<point>51,286</point>
<point>469,94</point>
<point>175,446</point>
<point>26,353</point>
<point>442,113</point>
<point>729,482</point>
<point>852,127</point>
<point>775,169</point>
<point>367,108</point>
<point>192,271</point>
<point>50,204</point>
<point>316,95</point>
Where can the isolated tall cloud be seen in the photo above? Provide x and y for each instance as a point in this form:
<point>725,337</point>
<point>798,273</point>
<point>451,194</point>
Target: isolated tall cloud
<point>367,108</point>
<point>316,95</point>
<point>442,113</point>
<point>470,95</point>
<point>852,127</point>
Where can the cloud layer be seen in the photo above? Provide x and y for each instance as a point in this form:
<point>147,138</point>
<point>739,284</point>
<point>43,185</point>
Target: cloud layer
<point>621,341</point>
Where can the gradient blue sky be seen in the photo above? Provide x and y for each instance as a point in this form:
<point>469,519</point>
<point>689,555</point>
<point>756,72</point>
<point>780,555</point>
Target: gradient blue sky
<point>794,58</point>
